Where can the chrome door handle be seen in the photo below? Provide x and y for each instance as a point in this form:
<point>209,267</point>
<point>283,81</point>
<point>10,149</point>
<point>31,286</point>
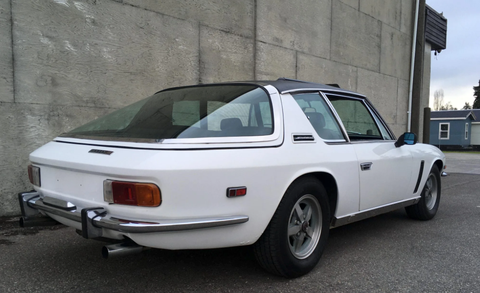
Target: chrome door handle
<point>366,166</point>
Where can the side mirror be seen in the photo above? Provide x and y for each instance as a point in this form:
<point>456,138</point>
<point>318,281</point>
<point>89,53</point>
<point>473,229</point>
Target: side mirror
<point>409,138</point>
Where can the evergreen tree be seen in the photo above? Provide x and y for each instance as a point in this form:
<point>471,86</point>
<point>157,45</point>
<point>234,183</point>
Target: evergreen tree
<point>467,106</point>
<point>476,94</point>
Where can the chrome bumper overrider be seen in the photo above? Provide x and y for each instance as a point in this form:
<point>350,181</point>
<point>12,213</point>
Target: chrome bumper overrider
<point>95,218</point>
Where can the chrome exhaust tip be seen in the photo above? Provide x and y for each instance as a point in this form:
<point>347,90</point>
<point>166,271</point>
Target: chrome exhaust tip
<point>121,249</point>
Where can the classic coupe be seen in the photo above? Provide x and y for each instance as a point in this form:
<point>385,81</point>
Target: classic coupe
<point>272,164</point>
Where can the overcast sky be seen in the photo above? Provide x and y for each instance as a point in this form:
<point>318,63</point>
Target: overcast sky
<point>456,69</point>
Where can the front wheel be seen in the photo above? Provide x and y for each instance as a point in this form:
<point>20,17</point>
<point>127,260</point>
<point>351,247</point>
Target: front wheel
<point>295,238</point>
<point>427,207</point>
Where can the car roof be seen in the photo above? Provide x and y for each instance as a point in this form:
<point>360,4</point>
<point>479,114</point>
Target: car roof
<point>285,85</point>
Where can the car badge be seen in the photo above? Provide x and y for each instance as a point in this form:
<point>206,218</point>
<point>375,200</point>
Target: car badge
<point>102,152</point>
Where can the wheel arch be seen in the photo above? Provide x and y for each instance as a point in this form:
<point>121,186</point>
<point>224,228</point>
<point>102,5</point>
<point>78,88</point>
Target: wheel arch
<point>330,185</point>
<point>439,164</point>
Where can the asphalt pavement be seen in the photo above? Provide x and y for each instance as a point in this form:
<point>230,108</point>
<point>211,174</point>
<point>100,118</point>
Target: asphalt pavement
<point>463,162</point>
<point>388,253</point>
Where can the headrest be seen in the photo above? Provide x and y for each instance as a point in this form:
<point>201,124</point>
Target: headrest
<point>230,123</point>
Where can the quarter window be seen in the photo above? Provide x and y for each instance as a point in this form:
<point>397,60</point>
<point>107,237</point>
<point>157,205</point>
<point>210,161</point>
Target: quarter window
<point>444,131</point>
<point>319,115</point>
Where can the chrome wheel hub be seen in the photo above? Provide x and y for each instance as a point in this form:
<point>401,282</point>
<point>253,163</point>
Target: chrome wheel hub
<point>305,226</point>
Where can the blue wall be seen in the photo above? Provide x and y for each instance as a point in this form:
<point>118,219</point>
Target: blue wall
<point>457,132</point>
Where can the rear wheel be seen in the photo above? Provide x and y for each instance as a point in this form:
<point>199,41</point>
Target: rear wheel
<point>294,240</point>
<point>427,207</point>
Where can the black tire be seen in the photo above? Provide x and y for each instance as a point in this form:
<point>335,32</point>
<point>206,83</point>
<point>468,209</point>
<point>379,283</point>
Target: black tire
<point>427,207</point>
<point>290,247</point>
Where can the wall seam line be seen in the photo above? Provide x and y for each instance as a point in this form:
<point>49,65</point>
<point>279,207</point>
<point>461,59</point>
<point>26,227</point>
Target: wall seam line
<point>331,30</point>
<point>255,40</point>
<point>199,53</point>
<point>13,53</point>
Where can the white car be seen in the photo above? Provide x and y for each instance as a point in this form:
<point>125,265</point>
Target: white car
<point>274,164</point>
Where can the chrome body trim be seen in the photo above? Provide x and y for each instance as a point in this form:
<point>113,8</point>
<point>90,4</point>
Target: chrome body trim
<point>94,219</point>
<point>337,222</point>
<point>337,117</point>
<point>366,166</point>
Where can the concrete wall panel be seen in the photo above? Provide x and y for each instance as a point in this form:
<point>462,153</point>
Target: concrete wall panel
<point>402,107</point>
<point>299,25</point>
<point>225,56</point>
<point>29,126</point>
<point>6,62</point>
<point>407,17</point>
<point>274,62</point>
<point>382,91</point>
<point>354,3</point>
<point>325,71</point>
<point>395,53</point>
<point>79,53</point>
<point>234,16</point>
<point>355,37</point>
<point>388,11</point>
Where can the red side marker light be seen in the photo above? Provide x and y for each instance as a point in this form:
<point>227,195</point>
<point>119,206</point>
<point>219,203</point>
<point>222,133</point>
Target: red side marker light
<point>236,191</point>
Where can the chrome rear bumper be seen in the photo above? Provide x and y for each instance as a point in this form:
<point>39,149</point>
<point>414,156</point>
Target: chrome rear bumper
<point>95,219</point>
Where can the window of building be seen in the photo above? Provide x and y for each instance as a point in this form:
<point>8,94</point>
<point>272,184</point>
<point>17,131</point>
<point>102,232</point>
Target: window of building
<point>444,131</point>
<point>466,130</point>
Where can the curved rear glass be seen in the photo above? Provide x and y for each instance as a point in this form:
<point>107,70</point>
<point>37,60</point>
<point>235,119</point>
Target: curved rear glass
<point>190,112</point>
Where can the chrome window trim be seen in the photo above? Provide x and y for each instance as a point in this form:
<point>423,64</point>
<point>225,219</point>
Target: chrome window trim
<point>345,139</point>
<point>319,90</point>
<point>380,119</point>
<point>277,134</point>
<point>377,118</point>
<point>337,117</point>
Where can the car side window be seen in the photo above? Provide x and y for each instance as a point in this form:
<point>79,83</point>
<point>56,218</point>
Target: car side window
<point>319,115</point>
<point>357,119</point>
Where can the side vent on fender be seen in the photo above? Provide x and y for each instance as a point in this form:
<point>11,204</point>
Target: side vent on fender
<point>420,173</point>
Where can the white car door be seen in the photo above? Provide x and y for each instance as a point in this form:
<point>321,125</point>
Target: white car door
<point>385,173</point>
<point>384,170</point>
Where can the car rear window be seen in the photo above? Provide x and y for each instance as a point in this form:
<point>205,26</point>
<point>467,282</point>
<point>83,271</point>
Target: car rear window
<point>188,112</point>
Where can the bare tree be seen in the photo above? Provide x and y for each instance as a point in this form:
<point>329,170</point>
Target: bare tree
<point>447,107</point>
<point>438,100</point>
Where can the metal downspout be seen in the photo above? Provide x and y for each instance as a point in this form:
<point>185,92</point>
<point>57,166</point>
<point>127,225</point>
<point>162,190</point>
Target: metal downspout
<point>412,66</point>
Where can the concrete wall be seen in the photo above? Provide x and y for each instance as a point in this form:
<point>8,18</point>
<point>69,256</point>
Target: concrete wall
<point>65,62</point>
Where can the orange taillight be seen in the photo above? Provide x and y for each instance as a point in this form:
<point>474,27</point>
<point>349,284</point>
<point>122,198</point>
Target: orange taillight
<point>132,193</point>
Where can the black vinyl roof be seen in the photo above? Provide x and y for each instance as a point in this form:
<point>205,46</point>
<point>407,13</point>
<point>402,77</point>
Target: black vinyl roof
<point>285,85</point>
